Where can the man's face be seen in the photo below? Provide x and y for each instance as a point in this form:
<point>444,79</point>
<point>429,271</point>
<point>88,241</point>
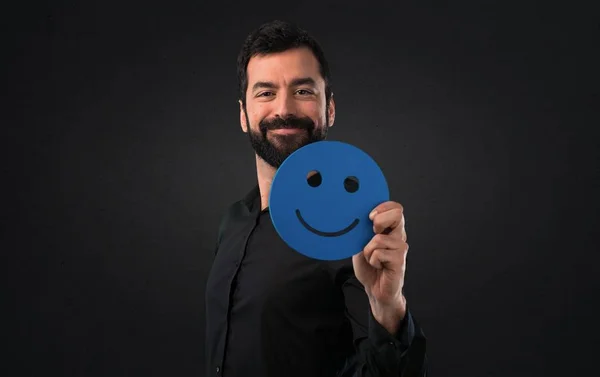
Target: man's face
<point>285,104</point>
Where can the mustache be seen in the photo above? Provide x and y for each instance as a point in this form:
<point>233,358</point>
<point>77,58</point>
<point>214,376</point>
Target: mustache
<point>286,123</point>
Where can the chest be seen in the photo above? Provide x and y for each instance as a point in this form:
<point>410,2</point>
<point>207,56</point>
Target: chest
<point>260,271</point>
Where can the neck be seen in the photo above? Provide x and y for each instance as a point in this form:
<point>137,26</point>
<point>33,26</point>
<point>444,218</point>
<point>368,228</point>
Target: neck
<point>265,174</point>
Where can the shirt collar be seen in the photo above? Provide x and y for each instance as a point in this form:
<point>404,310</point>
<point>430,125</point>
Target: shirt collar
<point>252,201</point>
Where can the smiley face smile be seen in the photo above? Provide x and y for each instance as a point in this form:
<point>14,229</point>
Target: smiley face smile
<point>326,234</point>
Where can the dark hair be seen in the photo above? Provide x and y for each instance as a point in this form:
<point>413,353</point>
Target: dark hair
<point>278,36</point>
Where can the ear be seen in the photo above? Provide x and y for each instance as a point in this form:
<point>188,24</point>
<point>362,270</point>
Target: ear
<point>243,122</point>
<point>331,111</point>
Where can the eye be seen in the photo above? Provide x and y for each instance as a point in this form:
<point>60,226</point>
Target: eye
<point>303,92</point>
<point>264,94</point>
<point>351,184</point>
<point>314,179</point>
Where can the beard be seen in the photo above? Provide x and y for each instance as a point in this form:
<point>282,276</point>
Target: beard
<point>275,148</point>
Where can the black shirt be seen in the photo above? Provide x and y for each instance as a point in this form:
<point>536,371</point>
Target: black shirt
<point>271,311</point>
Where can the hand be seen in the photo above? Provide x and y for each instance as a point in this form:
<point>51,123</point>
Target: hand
<point>381,265</point>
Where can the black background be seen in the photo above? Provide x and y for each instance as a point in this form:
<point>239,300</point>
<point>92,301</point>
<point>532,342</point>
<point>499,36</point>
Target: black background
<point>123,148</point>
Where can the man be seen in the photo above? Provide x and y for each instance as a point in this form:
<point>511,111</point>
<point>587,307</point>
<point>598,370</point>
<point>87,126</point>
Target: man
<point>270,310</point>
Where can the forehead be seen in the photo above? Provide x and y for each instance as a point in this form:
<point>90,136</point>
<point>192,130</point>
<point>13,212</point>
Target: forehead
<point>284,66</point>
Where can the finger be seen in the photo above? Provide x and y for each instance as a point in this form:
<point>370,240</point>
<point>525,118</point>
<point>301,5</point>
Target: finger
<point>391,219</point>
<point>379,241</point>
<point>399,231</point>
<point>395,251</point>
<point>359,261</point>
<point>378,258</point>
<point>384,207</point>
<point>394,260</point>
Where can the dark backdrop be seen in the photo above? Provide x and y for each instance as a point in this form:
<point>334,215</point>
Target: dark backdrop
<point>123,147</point>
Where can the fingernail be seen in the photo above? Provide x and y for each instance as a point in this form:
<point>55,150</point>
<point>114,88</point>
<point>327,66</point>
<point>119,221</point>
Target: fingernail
<point>372,214</point>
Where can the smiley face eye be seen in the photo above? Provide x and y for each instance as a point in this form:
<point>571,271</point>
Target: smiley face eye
<point>314,178</point>
<point>351,184</point>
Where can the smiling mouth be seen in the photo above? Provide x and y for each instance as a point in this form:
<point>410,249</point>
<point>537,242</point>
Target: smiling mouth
<point>288,131</point>
<point>326,234</point>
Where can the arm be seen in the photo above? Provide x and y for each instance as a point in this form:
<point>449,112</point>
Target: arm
<point>378,351</point>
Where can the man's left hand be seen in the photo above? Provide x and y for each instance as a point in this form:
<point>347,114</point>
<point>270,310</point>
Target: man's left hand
<point>381,265</point>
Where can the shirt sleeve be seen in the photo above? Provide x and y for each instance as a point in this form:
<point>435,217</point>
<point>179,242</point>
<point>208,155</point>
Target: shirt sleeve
<point>378,352</point>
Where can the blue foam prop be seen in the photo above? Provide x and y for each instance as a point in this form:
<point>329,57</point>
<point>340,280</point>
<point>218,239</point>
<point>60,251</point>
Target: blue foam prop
<point>326,216</point>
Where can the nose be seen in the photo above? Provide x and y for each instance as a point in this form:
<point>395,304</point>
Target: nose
<point>286,105</point>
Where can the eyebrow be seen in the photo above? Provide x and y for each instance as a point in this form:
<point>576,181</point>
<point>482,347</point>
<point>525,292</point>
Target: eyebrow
<point>295,82</point>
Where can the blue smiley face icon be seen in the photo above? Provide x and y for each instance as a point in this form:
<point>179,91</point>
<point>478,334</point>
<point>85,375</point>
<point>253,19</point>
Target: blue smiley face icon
<point>321,197</point>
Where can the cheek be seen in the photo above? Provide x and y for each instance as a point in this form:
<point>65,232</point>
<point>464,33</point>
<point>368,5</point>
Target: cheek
<point>255,115</point>
<point>315,112</point>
